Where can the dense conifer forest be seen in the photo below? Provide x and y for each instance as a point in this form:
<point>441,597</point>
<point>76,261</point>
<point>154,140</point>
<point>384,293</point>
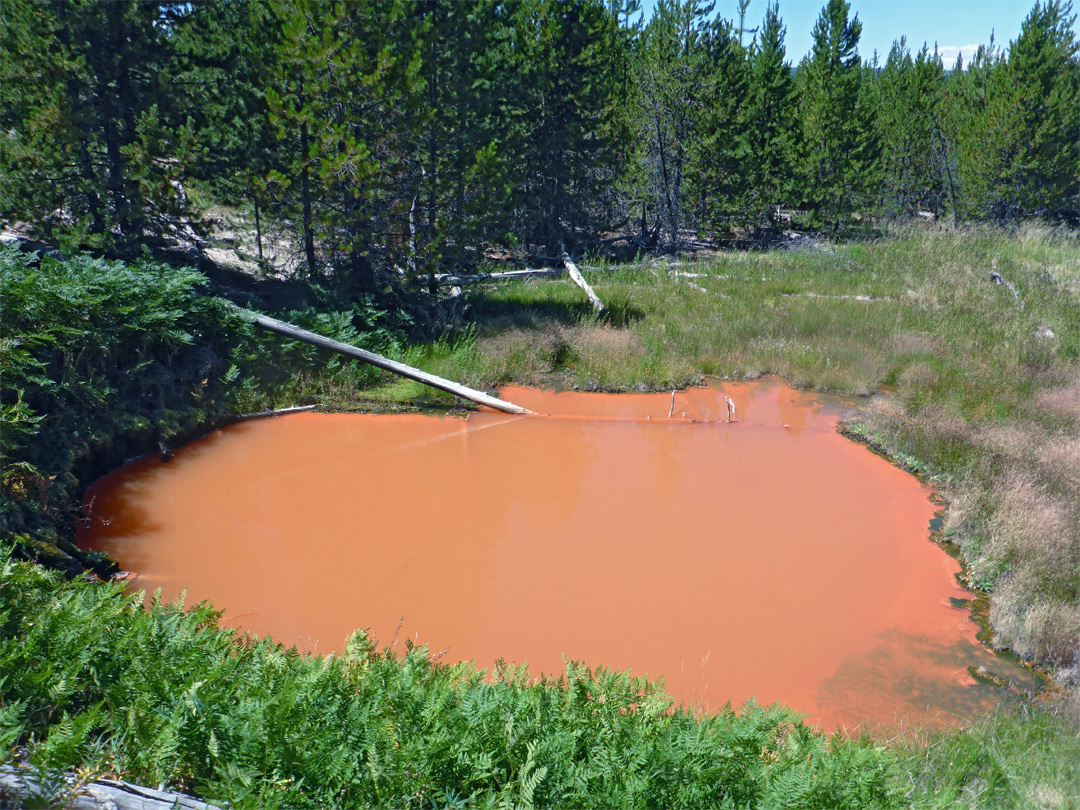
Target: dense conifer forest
<point>411,134</point>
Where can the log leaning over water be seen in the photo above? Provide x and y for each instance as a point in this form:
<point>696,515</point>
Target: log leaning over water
<point>377,360</point>
<point>19,789</point>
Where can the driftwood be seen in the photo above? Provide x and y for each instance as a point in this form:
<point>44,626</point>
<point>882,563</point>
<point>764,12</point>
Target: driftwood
<point>377,360</point>
<point>19,789</point>
<point>575,274</point>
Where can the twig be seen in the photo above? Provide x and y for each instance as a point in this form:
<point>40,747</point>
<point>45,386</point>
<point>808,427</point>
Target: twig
<point>998,279</point>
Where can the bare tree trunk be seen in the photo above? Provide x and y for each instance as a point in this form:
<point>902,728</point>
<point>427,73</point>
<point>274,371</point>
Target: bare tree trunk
<point>258,227</point>
<point>20,789</point>
<point>304,336</point>
<point>575,274</point>
<point>305,198</point>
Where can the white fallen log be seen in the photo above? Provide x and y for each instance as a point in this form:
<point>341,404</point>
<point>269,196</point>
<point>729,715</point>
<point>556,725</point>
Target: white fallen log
<point>20,789</point>
<point>377,360</point>
<point>453,280</point>
<point>575,274</point>
<point>999,279</point>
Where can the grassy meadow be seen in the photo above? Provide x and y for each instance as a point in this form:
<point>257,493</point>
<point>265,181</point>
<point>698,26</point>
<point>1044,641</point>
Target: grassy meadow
<point>973,384</point>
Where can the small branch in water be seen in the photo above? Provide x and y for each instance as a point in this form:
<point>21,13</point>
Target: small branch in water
<point>672,404</point>
<point>244,417</point>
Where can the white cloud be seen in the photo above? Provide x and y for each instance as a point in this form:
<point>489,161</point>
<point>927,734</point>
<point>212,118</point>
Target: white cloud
<point>950,52</point>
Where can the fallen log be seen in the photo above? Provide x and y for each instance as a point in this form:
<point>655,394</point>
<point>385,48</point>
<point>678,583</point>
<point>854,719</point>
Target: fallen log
<point>999,279</point>
<point>377,360</point>
<point>452,280</point>
<point>626,237</point>
<point>19,789</point>
<point>247,417</point>
<point>575,274</point>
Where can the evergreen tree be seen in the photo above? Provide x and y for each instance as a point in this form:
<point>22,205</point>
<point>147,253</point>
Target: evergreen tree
<point>673,76</point>
<point>224,52</point>
<point>1041,168</point>
<point>1014,117</point>
<point>907,97</point>
<point>463,187</point>
<point>718,173</point>
<point>93,145</point>
<point>769,119</point>
<point>345,90</point>
<point>833,131</point>
<point>978,127</point>
<point>564,151</point>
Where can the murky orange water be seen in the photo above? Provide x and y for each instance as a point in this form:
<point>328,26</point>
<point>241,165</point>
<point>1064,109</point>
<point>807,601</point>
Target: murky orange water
<point>767,558</point>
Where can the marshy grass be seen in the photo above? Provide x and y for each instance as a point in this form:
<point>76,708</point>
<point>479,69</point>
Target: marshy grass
<point>1026,758</point>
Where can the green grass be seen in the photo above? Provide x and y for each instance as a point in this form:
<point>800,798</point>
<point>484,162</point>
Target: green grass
<point>1029,758</point>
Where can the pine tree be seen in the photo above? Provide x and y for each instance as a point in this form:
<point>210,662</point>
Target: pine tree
<point>770,136</point>
<point>94,143</point>
<point>718,172</point>
<point>833,133</point>
<point>224,52</point>
<point>907,97</point>
<point>345,92</point>
<point>672,76</point>
<point>1042,84</point>
<point>563,149</point>
<point>462,189</point>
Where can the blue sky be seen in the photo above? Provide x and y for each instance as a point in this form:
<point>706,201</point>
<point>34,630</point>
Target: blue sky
<point>954,24</point>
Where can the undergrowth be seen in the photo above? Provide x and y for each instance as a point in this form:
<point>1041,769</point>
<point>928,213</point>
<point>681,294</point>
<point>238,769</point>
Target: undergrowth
<point>159,694</point>
<point>101,361</point>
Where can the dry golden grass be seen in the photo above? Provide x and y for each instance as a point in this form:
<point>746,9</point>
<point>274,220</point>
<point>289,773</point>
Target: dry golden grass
<point>1063,401</point>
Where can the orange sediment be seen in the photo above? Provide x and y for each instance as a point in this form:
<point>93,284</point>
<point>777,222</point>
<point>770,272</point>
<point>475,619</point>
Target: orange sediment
<point>767,557</point>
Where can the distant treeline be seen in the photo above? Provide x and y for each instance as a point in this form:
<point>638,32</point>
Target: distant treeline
<point>412,132</point>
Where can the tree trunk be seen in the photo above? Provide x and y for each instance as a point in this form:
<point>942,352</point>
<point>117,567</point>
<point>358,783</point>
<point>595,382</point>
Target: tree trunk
<point>258,227</point>
<point>18,789</point>
<point>305,194</point>
<point>575,274</point>
<point>304,336</point>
